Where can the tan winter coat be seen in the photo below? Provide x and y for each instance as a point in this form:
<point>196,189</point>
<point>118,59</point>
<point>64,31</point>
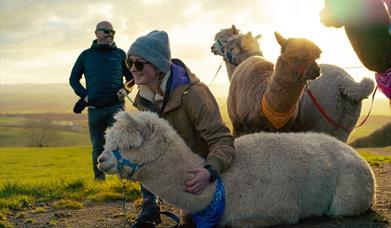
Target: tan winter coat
<point>193,112</point>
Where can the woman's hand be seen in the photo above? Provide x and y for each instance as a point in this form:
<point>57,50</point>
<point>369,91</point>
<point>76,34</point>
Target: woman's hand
<point>199,182</point>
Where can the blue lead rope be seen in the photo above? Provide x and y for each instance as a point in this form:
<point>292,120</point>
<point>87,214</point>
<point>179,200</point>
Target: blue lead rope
<point>211,215</point>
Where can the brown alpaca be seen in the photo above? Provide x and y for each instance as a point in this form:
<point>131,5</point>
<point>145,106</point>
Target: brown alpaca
<point>269,99</point>
<point>237,52</point>
<point>335,89</point>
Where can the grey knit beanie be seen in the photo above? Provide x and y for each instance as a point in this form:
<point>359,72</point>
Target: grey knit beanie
<point>154,48</point>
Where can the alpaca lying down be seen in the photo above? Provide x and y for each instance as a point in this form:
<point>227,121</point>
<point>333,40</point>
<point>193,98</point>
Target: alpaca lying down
<point>276,178</point>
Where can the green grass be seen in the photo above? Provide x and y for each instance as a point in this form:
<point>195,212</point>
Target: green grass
<point>42,164</point>
<point>67,203</point>
<point>62,175</point>
<point>375,159</point>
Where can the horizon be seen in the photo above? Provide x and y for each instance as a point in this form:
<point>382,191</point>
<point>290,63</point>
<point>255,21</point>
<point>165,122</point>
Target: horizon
<point>10,94</point>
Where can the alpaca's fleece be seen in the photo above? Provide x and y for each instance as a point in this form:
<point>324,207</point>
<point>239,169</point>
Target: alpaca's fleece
<point>275,178</point>
<point>245,92</point>
<point>340,96</point>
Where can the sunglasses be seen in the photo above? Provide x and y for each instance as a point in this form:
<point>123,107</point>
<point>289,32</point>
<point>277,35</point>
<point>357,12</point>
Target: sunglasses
<point>139,64</point>
<point>107,31</point>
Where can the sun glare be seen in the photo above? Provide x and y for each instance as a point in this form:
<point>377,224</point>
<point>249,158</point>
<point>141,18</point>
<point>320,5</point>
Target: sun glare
<point>300,18</point>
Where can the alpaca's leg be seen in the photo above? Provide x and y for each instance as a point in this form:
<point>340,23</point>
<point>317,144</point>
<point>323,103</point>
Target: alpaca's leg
<point>354,192</point>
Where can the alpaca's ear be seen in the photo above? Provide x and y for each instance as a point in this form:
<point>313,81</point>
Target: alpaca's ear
<point>280,39</point>
<point>249,35</point>
<point>234,30</point>
<point>126,132</point>
<point>258,36</point>
<point>126,120</point>
<point>246,40</point>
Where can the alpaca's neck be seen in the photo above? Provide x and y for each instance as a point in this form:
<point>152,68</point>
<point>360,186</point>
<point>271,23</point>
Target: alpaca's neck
<point>239,59</point>
<point>283,93</point>
<point>230,70</point>
<point>165,177</point>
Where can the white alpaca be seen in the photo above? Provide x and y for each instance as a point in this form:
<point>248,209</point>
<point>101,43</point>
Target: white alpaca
<point>276,178</point>
<point>340,96</point>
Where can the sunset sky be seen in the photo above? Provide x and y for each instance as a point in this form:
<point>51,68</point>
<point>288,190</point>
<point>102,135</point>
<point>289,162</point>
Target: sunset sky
<point>41,39</point>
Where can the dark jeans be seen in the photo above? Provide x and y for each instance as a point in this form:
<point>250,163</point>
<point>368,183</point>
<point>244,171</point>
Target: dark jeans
<point>98,120</point>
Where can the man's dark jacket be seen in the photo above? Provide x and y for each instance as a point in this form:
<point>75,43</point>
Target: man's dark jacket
<point>103,67</point>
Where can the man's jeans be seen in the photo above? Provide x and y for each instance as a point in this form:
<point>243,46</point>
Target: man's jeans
<point>98,121</point>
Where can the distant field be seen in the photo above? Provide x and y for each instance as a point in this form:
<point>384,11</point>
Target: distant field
<point>70,129</point>
<point>60,98</point>
<point>13,130</point>
<point>20,104</point>
<point>373,123</point>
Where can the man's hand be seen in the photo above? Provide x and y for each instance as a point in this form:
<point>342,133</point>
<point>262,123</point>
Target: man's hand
<point>199,182</point>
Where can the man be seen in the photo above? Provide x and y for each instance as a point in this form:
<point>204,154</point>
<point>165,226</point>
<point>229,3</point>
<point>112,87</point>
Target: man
<point>103,67</point>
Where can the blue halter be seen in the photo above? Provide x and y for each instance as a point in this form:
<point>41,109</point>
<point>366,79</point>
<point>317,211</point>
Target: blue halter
<point>124,162</point>
<point>211,215</point>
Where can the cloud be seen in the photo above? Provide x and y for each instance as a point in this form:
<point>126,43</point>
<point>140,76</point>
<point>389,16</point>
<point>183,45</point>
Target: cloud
<point>42,38</point>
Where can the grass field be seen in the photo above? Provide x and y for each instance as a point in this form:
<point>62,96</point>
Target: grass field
<point>29,168</point>
<point>61,174</point>
<point>45,164</point>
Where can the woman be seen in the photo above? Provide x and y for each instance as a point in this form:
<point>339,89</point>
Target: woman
<point>169,88</point>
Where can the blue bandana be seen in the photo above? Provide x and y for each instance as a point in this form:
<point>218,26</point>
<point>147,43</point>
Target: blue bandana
<point>211,215</point>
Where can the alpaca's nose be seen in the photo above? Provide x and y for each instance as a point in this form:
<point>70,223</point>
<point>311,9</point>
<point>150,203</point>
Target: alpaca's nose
<point>101,159</point>
<point>313,71</point>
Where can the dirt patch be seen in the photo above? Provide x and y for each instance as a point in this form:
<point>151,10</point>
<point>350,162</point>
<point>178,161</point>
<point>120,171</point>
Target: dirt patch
<point>110,214</point>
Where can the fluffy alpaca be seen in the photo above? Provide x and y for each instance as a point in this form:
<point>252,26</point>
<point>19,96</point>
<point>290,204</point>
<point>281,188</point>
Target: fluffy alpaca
<point>337,89</point>
<point>238,52</point>
<point>277,92</point>
<point>276,178</point>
